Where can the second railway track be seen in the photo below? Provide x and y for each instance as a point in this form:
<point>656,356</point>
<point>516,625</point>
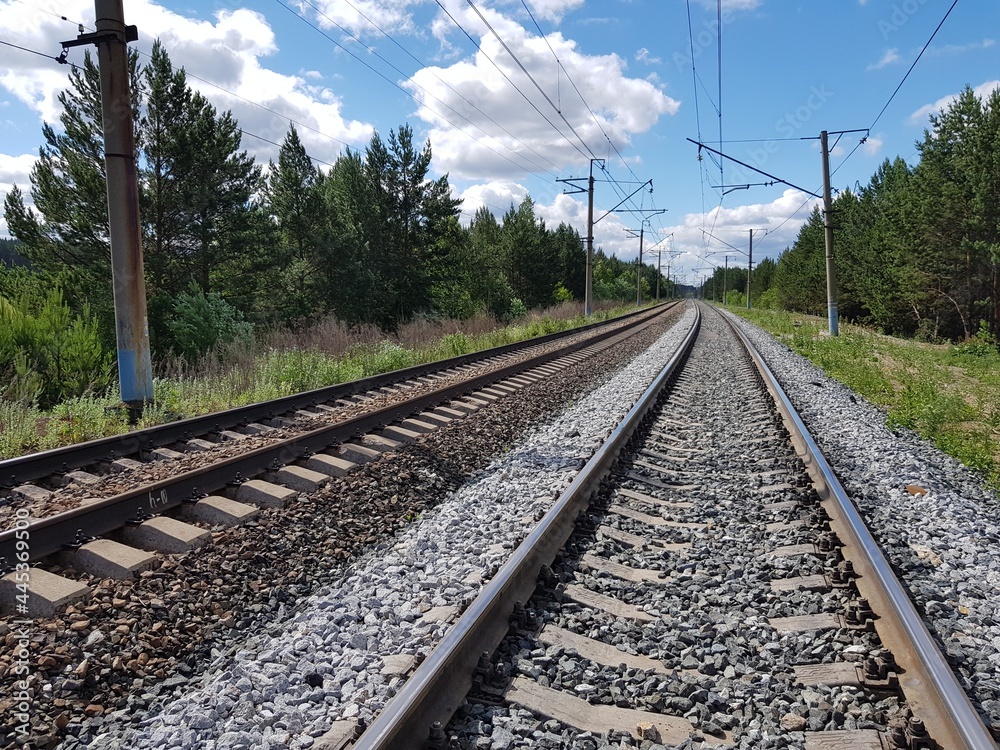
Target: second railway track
<point>109,655</point>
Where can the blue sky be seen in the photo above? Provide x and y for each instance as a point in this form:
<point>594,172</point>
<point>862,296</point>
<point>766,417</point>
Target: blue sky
<point>343,69</point>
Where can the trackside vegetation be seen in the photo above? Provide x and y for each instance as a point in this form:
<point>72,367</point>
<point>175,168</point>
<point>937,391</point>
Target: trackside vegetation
<point>947,393</point>
<point>249,370</point>
<point>238,254</point>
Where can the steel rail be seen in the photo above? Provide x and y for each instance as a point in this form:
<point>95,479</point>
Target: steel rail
<point>33,466</point>
<point>436,689</point>
<point>49,535</point>
<point>930,686</point>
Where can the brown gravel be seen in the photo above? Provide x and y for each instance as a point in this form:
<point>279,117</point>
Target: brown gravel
<point>112,656</point>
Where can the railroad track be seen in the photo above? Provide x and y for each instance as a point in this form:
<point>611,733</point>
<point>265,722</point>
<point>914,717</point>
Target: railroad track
<point>691,573</point>
<point>712,583</point>
<point>260,455</point>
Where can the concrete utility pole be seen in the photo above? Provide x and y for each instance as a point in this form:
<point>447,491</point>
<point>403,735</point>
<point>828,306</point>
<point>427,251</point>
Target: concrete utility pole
<point>588,294</point>
<point>725,280</point>
<point>659,257</point>
<point>131,326</point>
<point>750,262</point>
<point>831,270</point>
<point>638,275</point>
<point>588,286</point>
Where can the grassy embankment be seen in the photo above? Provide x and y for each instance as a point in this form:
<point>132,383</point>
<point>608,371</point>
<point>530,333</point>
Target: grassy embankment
<point>279,365</point>
<point>948,394</point>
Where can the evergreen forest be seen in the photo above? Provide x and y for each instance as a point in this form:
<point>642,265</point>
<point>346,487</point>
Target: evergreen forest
<point>232,247</point>
<point>917,248</point>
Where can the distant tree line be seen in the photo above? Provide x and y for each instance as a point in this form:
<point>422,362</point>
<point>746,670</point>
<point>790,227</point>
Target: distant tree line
<point>230,245</point>
<point>918,248</point>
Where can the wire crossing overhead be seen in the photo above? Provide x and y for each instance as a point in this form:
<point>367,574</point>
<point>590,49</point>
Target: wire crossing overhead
<point>530,77</point>
<point>752,168</point>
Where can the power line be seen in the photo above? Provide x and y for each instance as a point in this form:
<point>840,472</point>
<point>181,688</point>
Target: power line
<point>79,24</point>
<point>61,59</point>
<point>913,65</point>
<point>504,74</point>
<point>530,77</point>
<point>268,140</point>
<point>578,92</point>
<point>722,177</point>
<point>424,65</point>
<point>303,125</point>
<point>900,85</point>
<point>397,86</point>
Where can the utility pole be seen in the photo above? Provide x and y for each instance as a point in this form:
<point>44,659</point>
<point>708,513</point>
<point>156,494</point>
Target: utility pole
<point>638,273</point>
<point>750,262</point>
<point>642,229</point>
<point>659,258</point>
<point>131,324</point>
<point>588,293</point>
<point>831,270</point>
<point>725,280</point>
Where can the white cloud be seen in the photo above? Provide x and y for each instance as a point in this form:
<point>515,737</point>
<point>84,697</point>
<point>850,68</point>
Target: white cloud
<point>784,216</point>
<point>496,196</point>
<point>228,51</point>
<point>889,57</point>
<point>553,10</point>
<point>360,17</point>
<point>644,56</point>
<point>624,106</point>
<point>873,145</point>
<point>731,5</point>
<point>920,116</point>
<point>950,50</point>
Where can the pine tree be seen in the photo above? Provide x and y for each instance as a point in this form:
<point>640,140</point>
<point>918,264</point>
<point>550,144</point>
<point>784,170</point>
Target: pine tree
<point>66,235</point>
<point>402,228</point>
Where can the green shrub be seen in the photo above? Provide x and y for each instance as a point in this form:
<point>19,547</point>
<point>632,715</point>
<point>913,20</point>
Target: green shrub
<point>981,344</point>
<point>50,355</point>
<point>200,321</point>
<point>561,294</point>
<point>457,344</point>
<point>385,356</point>
<point>296,371</point>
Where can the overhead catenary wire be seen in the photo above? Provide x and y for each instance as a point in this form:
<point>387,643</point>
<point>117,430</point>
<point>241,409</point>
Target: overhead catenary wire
<point>882,111</point>
<point>900,84</point>
<point>500,70</point>
<point>913,65</point>
<point>61,59</point>
<point>576,88</point>
<point>400,88</point>
<point>517,61</point>
<point>722,177</point>
<point>532,79</point>
<point>424,65</point>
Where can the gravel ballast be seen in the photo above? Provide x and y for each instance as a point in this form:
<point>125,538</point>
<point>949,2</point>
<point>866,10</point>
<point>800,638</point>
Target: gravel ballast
<point>285,687</point>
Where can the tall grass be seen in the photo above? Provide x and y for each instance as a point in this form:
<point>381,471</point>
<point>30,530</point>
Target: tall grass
<point>948,394</point>
<point>275,364</point>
